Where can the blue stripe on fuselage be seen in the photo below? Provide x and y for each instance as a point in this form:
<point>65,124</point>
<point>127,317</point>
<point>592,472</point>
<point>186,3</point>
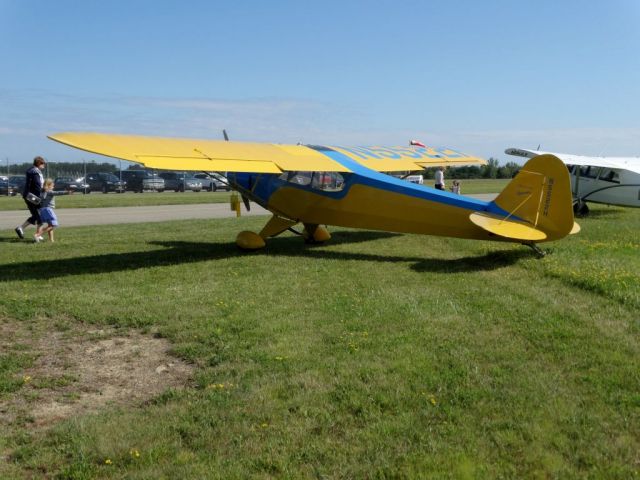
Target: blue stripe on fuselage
<point>375,179</point>
<point>260,187</point>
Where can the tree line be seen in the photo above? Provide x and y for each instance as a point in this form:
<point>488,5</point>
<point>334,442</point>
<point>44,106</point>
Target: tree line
<point>492,169</point>
<point>68,169</point>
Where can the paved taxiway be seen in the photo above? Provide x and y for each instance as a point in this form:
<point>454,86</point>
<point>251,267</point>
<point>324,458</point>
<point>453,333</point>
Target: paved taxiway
<point>75,217</point>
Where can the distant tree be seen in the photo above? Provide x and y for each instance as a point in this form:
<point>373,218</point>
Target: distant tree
<point>508,170</point>
<point>66,169</point>
<point>490,170</point>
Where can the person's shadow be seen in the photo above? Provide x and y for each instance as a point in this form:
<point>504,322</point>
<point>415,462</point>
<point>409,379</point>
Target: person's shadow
<point>185,252</point>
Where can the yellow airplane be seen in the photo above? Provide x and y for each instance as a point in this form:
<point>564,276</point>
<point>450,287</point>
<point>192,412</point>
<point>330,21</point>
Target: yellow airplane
<point>344,186</point>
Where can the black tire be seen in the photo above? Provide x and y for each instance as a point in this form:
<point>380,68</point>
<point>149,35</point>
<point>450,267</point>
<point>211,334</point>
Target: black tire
<point>176,190</point>
<point>580,209</point>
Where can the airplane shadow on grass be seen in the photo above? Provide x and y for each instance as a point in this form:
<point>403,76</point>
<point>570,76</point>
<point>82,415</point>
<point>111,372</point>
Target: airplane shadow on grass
<point>185,252</point>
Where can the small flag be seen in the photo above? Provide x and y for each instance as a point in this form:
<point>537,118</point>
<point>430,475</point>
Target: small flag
<point>416,143</point>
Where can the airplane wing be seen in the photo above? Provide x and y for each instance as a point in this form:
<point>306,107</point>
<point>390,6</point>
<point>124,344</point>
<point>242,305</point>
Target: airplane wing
<point>221,156</point>
<point>624,163</point>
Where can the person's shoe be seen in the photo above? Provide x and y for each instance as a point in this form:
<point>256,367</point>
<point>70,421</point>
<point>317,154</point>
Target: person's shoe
<point>37,239</point>
<point>40,238</point>
<point>19,232</point>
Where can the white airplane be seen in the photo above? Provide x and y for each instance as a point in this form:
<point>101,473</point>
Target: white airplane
<point>609,180</point>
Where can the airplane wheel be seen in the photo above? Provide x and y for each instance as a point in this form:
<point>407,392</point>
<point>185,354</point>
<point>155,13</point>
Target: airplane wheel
<point>320,235</point>
<point>249,241</point>
<point>581,209</point>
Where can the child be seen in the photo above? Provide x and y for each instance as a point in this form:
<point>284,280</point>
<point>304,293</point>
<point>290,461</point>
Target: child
<point>47,214</point>
<point>456,187</point>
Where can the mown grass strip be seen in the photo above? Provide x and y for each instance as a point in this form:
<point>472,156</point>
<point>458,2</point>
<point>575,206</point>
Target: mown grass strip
<point>375,355</point>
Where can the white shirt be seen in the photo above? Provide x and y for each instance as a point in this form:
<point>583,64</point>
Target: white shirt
<point>439,177</point>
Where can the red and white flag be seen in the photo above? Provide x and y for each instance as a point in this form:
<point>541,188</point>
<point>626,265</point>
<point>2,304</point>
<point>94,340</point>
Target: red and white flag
<point>416,143</point>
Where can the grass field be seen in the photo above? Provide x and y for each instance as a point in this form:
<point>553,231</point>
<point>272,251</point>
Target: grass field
<point>97,200</point>
<point>374,356</point>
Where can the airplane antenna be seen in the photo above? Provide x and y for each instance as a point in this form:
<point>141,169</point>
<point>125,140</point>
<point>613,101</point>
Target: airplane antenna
<point>226,137</point>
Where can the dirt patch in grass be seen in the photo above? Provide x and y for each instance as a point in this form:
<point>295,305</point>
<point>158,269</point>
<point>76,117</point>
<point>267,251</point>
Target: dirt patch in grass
<point>78,370</point>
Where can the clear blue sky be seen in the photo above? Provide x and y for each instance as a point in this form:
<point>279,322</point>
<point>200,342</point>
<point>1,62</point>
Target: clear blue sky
<point>475,76</point>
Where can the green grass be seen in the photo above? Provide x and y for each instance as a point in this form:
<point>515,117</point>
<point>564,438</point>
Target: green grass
<point>481,185</point>
<point>374,356</point>
<point>129,199</point>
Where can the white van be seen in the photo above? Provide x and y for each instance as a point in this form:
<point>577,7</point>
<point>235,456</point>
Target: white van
<point>419,179</point>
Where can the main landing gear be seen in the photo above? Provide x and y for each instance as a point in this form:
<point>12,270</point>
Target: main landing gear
<point>580,208</point>
<point>312,233</point>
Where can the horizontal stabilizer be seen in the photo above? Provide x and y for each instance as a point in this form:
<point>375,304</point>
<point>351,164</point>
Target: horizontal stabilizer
<point>537,202</point>
<point>507,228</point>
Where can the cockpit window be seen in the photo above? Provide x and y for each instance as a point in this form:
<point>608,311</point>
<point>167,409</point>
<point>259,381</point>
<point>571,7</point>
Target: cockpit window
<point>325,181</point>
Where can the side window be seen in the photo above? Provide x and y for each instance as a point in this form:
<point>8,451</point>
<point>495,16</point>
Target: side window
<point>299,178</point>
<point>588,171</point>
<point>326,181</point>
<point>609,175</point>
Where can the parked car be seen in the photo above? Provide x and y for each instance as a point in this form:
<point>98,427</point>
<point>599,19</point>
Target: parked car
<point>213,181</point>
<point>180,181</point>
<point>6,188</point>
<point>141,180</point>
<point>71,184</point>
<point>419,179</point>
<point>105,182</point>
<point>16,183</point>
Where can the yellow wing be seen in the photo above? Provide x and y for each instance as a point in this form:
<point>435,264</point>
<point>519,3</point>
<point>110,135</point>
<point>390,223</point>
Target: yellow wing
<point>221,156</point>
